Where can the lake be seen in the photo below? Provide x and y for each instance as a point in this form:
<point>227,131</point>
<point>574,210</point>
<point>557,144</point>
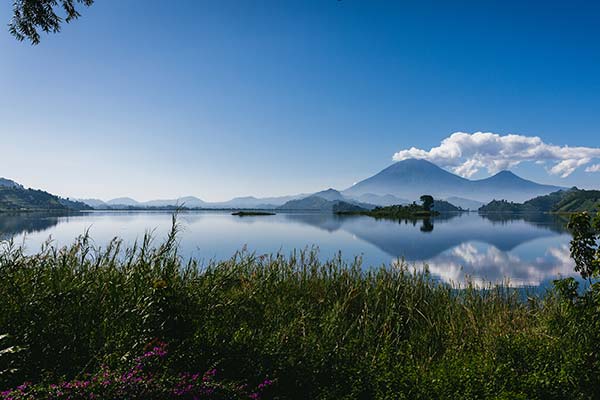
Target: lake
<point>527,250</point>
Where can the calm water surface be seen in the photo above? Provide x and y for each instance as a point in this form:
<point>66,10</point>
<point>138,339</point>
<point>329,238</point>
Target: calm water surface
<point>528,251</point>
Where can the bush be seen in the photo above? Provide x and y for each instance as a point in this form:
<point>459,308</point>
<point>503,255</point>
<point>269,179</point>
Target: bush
<point>147,378</point>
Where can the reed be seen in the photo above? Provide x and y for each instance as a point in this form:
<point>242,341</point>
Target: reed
<point>328,330</point>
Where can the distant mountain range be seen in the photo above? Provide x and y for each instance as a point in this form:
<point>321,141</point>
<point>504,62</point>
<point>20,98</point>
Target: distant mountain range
<point>412,178</point>
<point>326,200</point>
<point>400,183</point>
<point>194,202</point>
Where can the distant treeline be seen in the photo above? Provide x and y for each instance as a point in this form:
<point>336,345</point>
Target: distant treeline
<point>428,208</point>
<point>562,201</point>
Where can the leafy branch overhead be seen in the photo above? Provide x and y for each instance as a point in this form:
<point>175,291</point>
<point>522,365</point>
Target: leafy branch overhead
<point>30,17</point>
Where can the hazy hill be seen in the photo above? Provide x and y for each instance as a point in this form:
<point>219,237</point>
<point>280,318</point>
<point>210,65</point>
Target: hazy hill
<point>411,178</point>
<point>192,202</point>
<point>445,206</point>
<point>380,200</point>
<point>330,194</point>
<point>94,203</point>
<point>123,201</point>
<point>188,201</point>
<point>333,201</point>
<point>465,204</point>
<point>313,203</point>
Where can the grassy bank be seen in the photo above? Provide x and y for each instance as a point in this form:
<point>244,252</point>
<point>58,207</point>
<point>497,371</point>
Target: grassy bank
<point>316,330</point>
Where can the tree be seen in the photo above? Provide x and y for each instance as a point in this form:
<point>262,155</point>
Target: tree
<point>585,249</point>
<point>31,16</point>
<point>427,202</point>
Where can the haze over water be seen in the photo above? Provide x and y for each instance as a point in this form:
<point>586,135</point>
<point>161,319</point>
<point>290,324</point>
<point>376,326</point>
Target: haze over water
<point>529,251</point>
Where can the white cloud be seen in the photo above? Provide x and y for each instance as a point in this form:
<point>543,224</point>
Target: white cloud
<point>467,153</point>
<point>593,168</point>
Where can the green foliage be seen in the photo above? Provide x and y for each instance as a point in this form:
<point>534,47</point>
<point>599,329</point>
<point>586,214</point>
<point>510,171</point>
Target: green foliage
<point>331,330</point>
<point>505,206</point>
<point>576,200</point>
<point>585,249</point>
<point>410,211</point>
<point>562,201</point>
<point>7,353</point>
<point>31,16</point>
<point>427,201</point>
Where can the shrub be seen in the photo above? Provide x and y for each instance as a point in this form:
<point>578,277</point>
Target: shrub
<point>147,378</point>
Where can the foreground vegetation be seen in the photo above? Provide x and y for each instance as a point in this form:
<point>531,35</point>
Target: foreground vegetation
<point>303,328</point>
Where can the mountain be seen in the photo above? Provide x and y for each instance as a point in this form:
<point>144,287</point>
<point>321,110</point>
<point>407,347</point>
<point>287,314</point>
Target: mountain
<point>313,203</point>
<point>444,206</point>
<point>94,203</point>
<point>413,177</point>
<point>123,201</point>
<point>254,202</point>
<point>326,200</point>
<point>507,185</point>
<point>316,203</point>
<point>571,200</point>
<point>188,201</point>
<point>330,194</point>
<point>14,197</point>
<point>380,200</point>
<point>465,204</point>
<point>192,202</point>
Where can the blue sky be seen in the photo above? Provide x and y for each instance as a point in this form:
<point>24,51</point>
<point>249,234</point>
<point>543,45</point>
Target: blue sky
<point>159,99</point>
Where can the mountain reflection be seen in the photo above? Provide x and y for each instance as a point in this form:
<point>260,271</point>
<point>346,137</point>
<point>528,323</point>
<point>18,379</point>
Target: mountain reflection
<point>557,223</point>
<point>402,239</point>
<point>525,249</point>
<point>12,225</point>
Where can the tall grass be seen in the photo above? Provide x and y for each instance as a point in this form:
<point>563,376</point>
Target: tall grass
<point>328,330</point>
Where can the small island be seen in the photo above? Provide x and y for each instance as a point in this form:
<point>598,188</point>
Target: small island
<point>410,211</point>
<point>251,213</point>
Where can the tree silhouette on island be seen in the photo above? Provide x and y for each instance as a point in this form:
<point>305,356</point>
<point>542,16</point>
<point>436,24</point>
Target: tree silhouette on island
<point>398,211</point>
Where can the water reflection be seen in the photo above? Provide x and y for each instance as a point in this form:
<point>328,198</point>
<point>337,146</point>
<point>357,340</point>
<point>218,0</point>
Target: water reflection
<point>18,224</point>
<point>557,223</point>
<point>484,264</point>
<point>526,249</point>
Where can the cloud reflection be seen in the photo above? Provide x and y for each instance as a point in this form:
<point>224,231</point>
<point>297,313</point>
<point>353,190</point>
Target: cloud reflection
<point>481,264</point>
